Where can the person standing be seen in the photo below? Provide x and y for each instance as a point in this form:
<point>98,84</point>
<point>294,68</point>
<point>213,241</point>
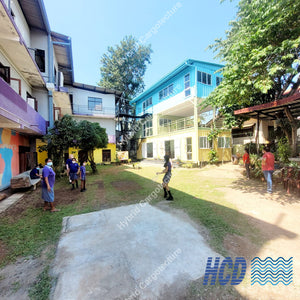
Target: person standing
<point>246,160</point>
<point>82,176</point>
<point>74,170</point>
<point>68,163</point>
<point>48,176</point>
<point>168,174</point>
<point>267,165</point>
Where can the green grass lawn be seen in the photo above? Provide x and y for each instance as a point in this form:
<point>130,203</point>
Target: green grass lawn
<point>34,230</point>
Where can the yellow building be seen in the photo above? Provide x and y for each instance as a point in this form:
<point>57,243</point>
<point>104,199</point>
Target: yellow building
<point>172,120</point>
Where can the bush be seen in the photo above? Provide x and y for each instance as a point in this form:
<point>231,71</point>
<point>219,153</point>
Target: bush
<point>283,150</point>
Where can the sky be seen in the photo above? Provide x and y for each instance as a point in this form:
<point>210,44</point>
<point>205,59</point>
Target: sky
<point>176,29</point>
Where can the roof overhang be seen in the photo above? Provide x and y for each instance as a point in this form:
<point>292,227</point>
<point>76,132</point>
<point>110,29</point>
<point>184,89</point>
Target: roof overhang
<point>97,89</point>
<point>14,47</point>
<point>62,46</point>
<point>271,110</point>
<point>35,14</point>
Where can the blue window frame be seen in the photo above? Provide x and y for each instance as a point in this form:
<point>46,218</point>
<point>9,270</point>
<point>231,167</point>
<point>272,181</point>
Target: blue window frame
<point>166,92</point>
<point>218,80</point>
<point>204,78</point>
<point>187,85</point>
<point>94,103</point>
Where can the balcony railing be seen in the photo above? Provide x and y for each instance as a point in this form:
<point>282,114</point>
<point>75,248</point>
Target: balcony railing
<point>84,110</point>
<point>177,125</point>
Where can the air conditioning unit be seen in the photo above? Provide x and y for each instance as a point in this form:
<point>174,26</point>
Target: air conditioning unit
<point>60,79</point>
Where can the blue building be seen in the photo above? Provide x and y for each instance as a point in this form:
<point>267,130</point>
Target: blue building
<point>176,124</point>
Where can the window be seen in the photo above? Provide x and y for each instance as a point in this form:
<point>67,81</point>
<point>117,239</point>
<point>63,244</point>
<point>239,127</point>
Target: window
<point>94,103</point>
<point>169,148</point>
<point>5,73</point>
<point>147,103</point>
<point>204,143</point>
<point>224,142</point>
<point>32,101</point>
<point>149,149</point>
<point>218,80</point>
<point>204,78</point>
<point>166,92</point>
<point>164,122</point>
<point>148,128</point>
<point>40,59</point>
<point>187,85</point>
<point>189,148</point>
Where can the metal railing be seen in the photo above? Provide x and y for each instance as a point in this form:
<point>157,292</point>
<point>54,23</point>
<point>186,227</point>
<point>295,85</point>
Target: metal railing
<point>86,111</point>
<point>177,125</point>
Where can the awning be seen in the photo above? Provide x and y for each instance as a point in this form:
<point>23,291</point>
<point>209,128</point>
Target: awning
<point>270,111</point>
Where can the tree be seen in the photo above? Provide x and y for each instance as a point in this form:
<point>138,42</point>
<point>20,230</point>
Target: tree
<point>262,55</point>
<point>61,136</point>
<point>92,136</point>
<point>124,66</point>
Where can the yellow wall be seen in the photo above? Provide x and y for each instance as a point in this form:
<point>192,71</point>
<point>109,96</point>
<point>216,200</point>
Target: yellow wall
<point>41,156</point>
<point>97,153</point>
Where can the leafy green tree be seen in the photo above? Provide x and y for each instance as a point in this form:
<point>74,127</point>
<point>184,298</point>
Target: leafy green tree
<point>61,136</point>
<point>124,66</point>
<point>92,136</point>
<point>262,55</point>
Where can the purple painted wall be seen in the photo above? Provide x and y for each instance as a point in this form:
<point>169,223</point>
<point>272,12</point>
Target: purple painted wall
<point>14,108</point>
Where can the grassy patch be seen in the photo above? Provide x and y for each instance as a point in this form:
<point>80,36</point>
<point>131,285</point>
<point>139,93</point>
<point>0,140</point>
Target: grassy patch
<point>41,288</point>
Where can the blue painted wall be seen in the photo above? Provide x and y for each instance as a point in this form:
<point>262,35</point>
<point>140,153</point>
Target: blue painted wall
<point>203,90</point>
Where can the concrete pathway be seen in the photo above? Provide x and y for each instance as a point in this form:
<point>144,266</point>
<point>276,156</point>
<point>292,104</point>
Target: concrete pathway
<point>6,203</point>
<point>129,252</point>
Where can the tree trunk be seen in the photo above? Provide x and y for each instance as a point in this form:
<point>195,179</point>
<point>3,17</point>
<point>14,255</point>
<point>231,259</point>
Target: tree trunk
<point>294,131</point>
<point>92,162</point>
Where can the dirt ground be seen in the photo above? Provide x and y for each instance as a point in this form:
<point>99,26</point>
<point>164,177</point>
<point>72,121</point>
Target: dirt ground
<point>275,216</point>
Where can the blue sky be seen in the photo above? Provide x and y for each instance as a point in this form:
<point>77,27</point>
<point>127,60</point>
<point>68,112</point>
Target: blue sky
<point>96,24</point>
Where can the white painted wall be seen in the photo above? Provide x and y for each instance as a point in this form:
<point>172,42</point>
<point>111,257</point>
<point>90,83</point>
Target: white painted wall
<point>21,22</point>
<point>108,124</point>
<point>25,87</point>
<point>42,98</point>
<point>39,40</point>
<point>80,99</point>
<point>179,145</point>
<point>173,101</point>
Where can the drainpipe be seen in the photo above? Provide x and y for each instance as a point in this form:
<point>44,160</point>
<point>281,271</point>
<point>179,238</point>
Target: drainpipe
<point>196,116</point>
<point>50,84</point>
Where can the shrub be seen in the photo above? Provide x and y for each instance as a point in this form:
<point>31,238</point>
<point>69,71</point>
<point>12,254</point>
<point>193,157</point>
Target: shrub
<point>283,150</point>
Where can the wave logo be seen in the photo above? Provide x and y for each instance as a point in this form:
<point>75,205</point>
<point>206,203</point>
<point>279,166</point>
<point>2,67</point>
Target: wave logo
<point>272,271</point>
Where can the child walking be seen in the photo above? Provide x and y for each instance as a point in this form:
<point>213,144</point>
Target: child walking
<point>82,176</point>
<point>168,174</point>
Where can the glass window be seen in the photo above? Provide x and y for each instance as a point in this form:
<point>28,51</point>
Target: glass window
<point>204,142</point>
<point>149,149</point>
<point>40,59</point>
<point>187,92</point>
<point>166,92</point>
<point>148,128</point>
<point>204,78</point>
<point>189,148</point>
<point>161,95</point>
<point>94,103</point>
<point>5,73</point>
<point>218,80</point>
<point>224,142</point>
<point>208,79</point>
